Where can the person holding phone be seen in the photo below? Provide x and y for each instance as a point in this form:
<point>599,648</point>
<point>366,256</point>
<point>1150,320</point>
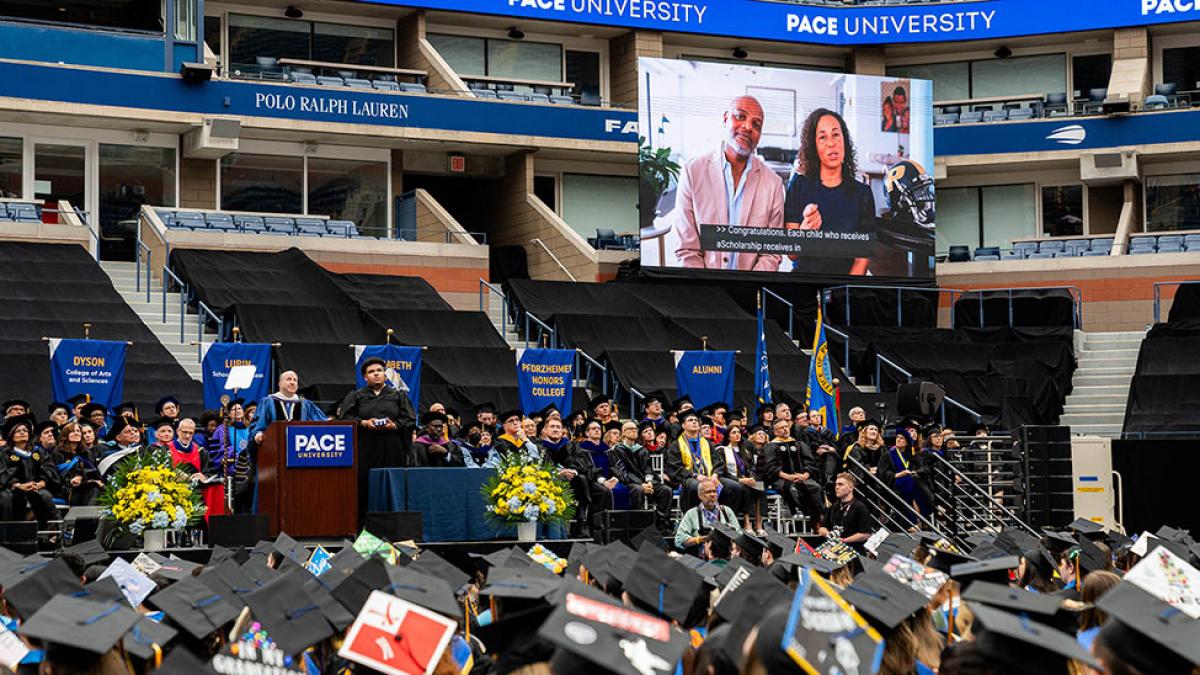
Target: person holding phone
<point>706,514</point>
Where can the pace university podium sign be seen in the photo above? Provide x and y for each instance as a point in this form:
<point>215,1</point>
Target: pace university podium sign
<point>320,446</point>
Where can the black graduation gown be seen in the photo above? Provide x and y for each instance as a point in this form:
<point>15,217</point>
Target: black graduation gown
<point>378,448</point>
<point>84,464</point>
<point>38,466</point>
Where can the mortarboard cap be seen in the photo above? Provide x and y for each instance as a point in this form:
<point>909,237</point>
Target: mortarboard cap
<point>221,553</point>
<point>12,402</point>
<point>598,400</point>
<point>597,634</point>
<point>819,632</point>
<point>652,536</point>
<point>174,569</point>
<point>11,424</point>
<point>678,403</point>
<point>93,407</point>
<point>664,586</point>
<point>943,560</point>
<point>91,551</point>
<point>485,407</point>
<point>1174,534</point>
<point>318,591</point>
<point>1117,540</point>
<point>33,580</point>
<point>80,624</point>
<point>435,565</point>
<point>994,570</point>
<point>76,400</point>
<point>1058,542</point>
<point>126,407</point>
<point>1147,632</point>
<point>289,616</point>
<point>1024,646</point>
<point>289,548</point>
<point>194,607</point>
<point>509,414</point>
<point>757,591</point>
<point>731,569</point>
<point>1044,607</point>
<point>685,416</point>
<point>894,543</point>
<point>119,424</point>
<point>883,600</point>
<point>779,544</point>
<point>1088,528</point>
<point>433,416</point>
<point>810,561</point>
<point>427,591</point>
<point>163,401</point>
<point>354,587</point>
<point>1014,541</point>
<point>613,425</point>
<point>183,662</point>
<point>103,590</point>
<point>141,639</point>
<point>1091,557</point>
<point>162,422</point>
<point>751,546</point>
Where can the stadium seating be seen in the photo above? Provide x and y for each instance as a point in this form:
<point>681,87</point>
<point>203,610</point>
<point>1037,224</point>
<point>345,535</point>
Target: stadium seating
<point>19,212</point>
<point>251,224</point>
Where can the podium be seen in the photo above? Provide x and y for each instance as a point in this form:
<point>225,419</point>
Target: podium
<point>307,478</point>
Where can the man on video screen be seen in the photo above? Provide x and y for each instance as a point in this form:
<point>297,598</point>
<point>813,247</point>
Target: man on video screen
<point>729,186</point>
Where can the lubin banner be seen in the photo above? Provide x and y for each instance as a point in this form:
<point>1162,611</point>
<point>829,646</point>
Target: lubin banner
<point>220,358</point>
<point>545,376</point>
<point>706,377</point>
<point>402,364</point>
<point>92,367</point>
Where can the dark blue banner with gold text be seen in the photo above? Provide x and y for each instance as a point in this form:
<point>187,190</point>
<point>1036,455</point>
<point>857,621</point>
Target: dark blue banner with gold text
<point>706,377</point>
<point>222,357</point>
<point>92,367</point>
<point>544,377</point>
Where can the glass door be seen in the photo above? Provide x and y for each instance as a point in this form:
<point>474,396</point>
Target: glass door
<point>59,174</point>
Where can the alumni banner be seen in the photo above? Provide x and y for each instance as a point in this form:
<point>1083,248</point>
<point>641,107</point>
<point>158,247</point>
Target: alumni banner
<point>545,376</point>
<point>706,377</point>
<point>220,357</point>
<point>92,367</point>
<point>402,366</point>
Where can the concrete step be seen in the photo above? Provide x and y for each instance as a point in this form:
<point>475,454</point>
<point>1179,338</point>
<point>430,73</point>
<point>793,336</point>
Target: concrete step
<point>1109,355</point>
<point>1120,379</point>
<point>1105,430</point>
<point>1112,345</point>
<point>1102,369</point>
<point>1086,408</point>
<point>1115,335</point>
<point>1092,418</point>
<point>1097,399</point>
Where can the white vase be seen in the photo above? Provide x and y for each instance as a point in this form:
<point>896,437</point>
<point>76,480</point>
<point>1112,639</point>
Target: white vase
<point>527,531</point>
<point>154,540</point>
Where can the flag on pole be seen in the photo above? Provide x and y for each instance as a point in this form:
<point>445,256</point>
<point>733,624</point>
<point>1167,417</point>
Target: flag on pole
<point>820,395</point>
<point>762,377</point>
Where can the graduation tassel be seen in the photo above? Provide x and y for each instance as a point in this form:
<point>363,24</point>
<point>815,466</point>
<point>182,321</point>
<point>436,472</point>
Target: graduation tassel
<point>950,615</point>
<point>467,614</point>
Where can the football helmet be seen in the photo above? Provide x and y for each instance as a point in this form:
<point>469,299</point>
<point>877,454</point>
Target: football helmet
<point>910,191</point>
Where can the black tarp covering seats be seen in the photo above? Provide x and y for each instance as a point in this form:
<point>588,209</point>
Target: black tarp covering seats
<point>1028,306</point>
<point>315,315</point>
<point>1163,395</point>
<point>52,290</point>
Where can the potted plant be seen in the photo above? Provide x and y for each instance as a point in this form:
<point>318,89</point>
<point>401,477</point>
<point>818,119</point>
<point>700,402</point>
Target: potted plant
<point>147,496</point>
<point>656,172</point>
<point>526,494</point>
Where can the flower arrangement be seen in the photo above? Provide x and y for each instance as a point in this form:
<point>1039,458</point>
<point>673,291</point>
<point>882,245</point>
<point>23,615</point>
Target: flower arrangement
<point>148,492</point>
<point>521,492</point>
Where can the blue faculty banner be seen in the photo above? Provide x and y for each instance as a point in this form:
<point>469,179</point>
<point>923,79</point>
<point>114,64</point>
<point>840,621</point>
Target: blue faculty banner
<point>320,446</point>
<point>220,358</point>
<point>545,376</point>
<point>92,367</point>
<point>706,377</point>
<point>403,365</point>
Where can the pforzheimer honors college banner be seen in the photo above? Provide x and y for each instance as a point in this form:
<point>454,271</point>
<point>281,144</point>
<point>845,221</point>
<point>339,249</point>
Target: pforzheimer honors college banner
<point>706,377</point>
<point>545,376</point>
<point>402,366</point>
<point>92,367</point>
<point>220,357</point>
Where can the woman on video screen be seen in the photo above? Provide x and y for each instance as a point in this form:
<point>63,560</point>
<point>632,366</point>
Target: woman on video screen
<point>825,195</point>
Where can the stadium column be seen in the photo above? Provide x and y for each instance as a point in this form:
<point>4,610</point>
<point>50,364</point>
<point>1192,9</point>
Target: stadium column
<point>623,53</point>
<point>866,61</point>
<point>414,51</point>
<point>1131,65</point>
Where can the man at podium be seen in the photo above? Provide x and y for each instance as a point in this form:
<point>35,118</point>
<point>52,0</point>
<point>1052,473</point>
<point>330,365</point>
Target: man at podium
<point>285,405</point>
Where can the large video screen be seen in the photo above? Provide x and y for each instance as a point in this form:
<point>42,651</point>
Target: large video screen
<point>751,168</point>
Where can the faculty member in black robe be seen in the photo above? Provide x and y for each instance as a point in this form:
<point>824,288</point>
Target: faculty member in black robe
<point>385,422</point>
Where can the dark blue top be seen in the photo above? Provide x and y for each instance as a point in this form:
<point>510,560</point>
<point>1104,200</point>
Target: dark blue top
<point>849,207</point>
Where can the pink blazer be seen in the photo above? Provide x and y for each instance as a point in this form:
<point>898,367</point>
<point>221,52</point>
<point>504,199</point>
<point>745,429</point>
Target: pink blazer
<point>701,198</point>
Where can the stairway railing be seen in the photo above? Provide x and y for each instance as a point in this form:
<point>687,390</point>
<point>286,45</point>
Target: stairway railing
<point>891,506</point>
<point>966,505</point>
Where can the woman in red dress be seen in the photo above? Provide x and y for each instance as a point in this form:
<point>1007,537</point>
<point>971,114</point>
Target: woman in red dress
<point>186,452</point>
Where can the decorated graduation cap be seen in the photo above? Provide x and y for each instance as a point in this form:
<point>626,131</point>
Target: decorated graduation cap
<point>194,607</point>
<point>597,634</point>
<point>77,630</point>
<point>1024,646</point>
<point>1148,633</point>
<point>883,600</point>
<point>33,580</point>
<point>832,637</point>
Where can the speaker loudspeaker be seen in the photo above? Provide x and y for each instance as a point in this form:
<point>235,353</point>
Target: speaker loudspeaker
<point>919,399</point>
<point>242,530</point>
<point>396,525</point>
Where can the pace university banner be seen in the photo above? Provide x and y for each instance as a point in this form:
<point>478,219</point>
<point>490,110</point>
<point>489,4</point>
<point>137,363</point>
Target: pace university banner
<point>545,376</point>
<point>92,367</point>
<point>220,357</point>
<point>707,377</point>
<point>403,366</point>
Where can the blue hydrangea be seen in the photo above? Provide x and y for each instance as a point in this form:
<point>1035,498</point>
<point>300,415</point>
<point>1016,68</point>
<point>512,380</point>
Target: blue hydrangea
<point>160,520</point>
<point>153,497</point>
<point>137,526</point>
<point>180,517</point>
<point>532,512</point>
<point>514,504</point>
<point>529,487</point>
<point>549,507</point>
